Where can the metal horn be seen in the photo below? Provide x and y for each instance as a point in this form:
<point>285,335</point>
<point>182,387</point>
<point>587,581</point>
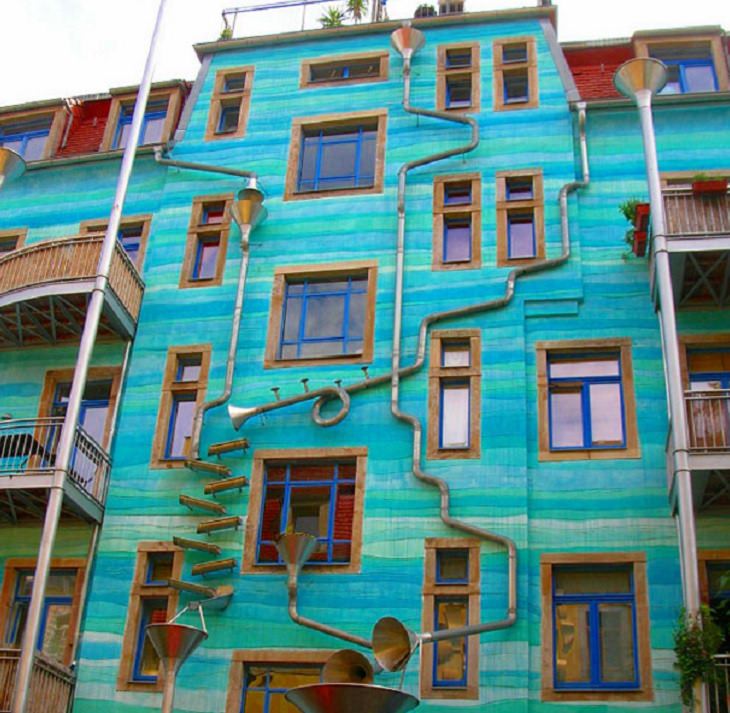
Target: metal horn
<point>239,415</point>
<point>393,643</point>
<point>347,666</point>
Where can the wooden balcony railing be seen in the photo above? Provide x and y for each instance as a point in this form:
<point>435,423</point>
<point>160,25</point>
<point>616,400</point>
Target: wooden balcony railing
<point>708,416</point>
<point>67,260</point>
<point>719,691</point>
<point>51,685</point>
<point>692,216</point>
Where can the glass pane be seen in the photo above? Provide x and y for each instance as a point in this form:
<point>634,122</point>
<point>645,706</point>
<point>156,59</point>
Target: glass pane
<point>309,510</point>
<point>271,524</point>
<point>329,347</point>
<point>515,86</point>
<point>234,83</point>
<point>566,368</point>
<point>451,654</point>
<point>718,575</point>
<point>338,160</point>
<point>25,584</point>
<point>34,148</point>
<point>521,237</point>
<point>344,510</point>
<point>572,649</point>
<point>182,417</point>
<point>452,565</point>
<point>458,58</point>
<point>519,188</point>
<point>356,325</point>
<point>16,623</point>
<point>699,78</point>
<point>673,85</point>
<point>308,162</point>
<point>617,642</point>
<point>594,581</point>
<point>325,317</point>
<point>154,611</point>
<point>188,368</point>
<point>606,415</point>
<point>367,160</point>
<point>365,68</point>
<point>457,240</point>
<point>566,419</point>
<point>458,92</point>
<point>228,121</point>
<point>152,130</point>
<point>292,315</point>
<point>93,419</point>
<point>60,584</point>
<point>207,258</point>
<point>516,52</point>
<point>455,355</point>
<point>326,72</point>
<point>159,566</point>
<point>455,416</point>
<point>457,193</point>
<point>285,678</point>
<point>326,286</point>
<point>123,135</point>
<point>301,472</point>
<point>14,144</point>
<point>253,702</point>
<point>55,635</point>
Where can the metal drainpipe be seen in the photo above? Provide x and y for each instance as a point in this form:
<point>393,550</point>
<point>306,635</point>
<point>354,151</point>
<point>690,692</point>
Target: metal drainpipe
<point>86,347</point>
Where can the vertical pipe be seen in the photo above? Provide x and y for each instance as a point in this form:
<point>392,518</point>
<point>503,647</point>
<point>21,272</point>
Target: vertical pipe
<point>86,347</point>
<point>168,692</point>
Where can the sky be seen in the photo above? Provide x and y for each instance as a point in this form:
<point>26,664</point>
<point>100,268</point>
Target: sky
<point>64,48</point>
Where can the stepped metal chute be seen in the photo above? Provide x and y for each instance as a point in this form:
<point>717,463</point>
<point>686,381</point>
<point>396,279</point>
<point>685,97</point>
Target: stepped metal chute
<point>12,165</point>
<point>350,698</point>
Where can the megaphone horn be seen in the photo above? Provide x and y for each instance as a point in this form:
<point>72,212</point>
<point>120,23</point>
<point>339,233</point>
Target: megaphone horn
<point>239,415</point>
<point>347,666</point>
<point>393,643</point>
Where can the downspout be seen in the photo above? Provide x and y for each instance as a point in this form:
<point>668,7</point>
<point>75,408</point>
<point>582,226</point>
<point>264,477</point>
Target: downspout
<point>86,347</point>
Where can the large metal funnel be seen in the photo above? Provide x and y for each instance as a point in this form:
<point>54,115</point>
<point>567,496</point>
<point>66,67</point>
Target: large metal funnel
<point>393,643</point>
<point>249,207</point>
<point>642,73</point>
<point>295,548</point>
<point>12,165</point>
<point>347,666</point>
<point>350,698</point>
<point>174,643</point>
<point>407,40</point>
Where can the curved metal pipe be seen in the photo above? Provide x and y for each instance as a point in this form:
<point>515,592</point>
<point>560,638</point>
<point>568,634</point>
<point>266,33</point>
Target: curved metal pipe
<point>210,168</point>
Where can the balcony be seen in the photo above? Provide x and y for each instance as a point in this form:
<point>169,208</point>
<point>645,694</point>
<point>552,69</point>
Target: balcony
<point>719,691</point>
<point>51,685</point>
<point>698,238</point>
<point>27,463</point>
<point>44,290</point>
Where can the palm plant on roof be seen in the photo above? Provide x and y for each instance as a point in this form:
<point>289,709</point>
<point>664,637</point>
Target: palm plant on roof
<point>357,9</point>
<point>332,17</point>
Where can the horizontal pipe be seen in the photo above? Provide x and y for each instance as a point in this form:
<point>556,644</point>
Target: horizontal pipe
<point>159,151</point>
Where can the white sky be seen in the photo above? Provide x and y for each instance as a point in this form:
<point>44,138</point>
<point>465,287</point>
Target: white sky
<point>58,48</point>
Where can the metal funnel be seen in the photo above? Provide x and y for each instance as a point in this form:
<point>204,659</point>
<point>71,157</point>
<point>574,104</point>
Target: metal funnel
<point>174,643</point>
<point>640,74</point>
<point>12,165</point>
<point>407,40</point>
<point>249,209</point>
<point>350,698</point>
<point>347,666</point>
<point>295,548</point>
<point>393,643</point>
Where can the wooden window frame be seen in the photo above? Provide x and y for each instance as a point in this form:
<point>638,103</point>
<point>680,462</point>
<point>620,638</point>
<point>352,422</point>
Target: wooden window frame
<point>341,269</point>
<point>99,226</point>
<point>535,205</point>
<point>221,98</point>
<point>703,341</point>
<point>274,657</point>
<point>196,230</point>
<point>705,557</point>
<point>138,592</point>
<point>171,387</point>
<point>343,59</point>
<point>300,124</point>
<point>57,118</point>
<point>500,67</point>
<point>260,458</point>
<point>433,589</point>
<point>19,234</point>
<point>441,210</point>
<point>472,374</point>
<point>10,577</point>
<point>645,691</point>
<point>623,346</point>
<point>119,101</point>
<point>443,73</point>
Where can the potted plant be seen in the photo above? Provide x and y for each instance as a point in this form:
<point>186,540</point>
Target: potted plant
<point>226,33</point>
<point>704,185</point>
<point>425,11</point>
<point>637,213</point>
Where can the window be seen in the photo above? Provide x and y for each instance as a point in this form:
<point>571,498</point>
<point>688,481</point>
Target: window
<point>151,601</point>
<point>11,240</point>
<point>60,611</point>
<point>515,74</point>
<point>457,230</point>
<point>260,678</point>
<point>183,390</point>
<point>34,135</point>
<point>520,222</point>
<point>714,571</point>
<point>207,244</point>
<point>450,669</point>
<point>322,314</point>
<point>132,235</point>
<point>229,104</point>
<point>346,69</point>
<point>586,400</point>
<point>595,629</point>
<point>153,123</point>
<point>336,155</point>
<point>317,491</point>
<point>454,394</point>
<point>457,77</point>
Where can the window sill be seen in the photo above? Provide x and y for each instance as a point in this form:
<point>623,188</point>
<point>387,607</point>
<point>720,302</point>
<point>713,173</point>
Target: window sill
<point>167,463</point>
<point>344,568</point>
<point>470,453</point>
<point>561,695</point>
<point>591,454</point>
<point>462,693</point>
<point>141,686</point>
<point>317,361</point>
<point>332,193</point>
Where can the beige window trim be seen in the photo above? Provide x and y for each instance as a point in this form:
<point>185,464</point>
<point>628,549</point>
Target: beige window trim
<point>99,226</point>
<point>57,119</point>
<point>221,98</point>
<point>19,234</point>
<point>340,269</point>
<point>623,346</point>
<point>705,557</point>
<point>472,210</point>
<point>431,590</point>
<point>255,503</point>
<point>196,230</point>
<point>138,592</point>
<point>505,207</point>
<point>528,68</point>
<point>641,606</point>
<point>343,59</point>
<point>171,387</point>
<point>687,342</point>
<point>300,124</point>
<point>472,375</point>
<point>443,73</point>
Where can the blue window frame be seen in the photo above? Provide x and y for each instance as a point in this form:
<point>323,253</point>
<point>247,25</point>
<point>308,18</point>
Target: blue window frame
<point>516,86</point>
<point>451,657</point>
<point>452,566</point>
<point>685,76</point>
<point>514,53</point>
<point>130,236</point>
<point>458,91</point>
<point>234,83</point>
<point>323,318</point>
<point>153,123</point>
<point>188,367</point>
<point>180,424</point>
<point>458,57</point>
<point>454,414</point>
<point>519,188</point>
<point>457,193</point>
<point>457,238</point>
<point>594,628</point>
<point>313,497</point>
<point>264,685</point>
<point>586,401</point>
<point>28,139</point>
<point>146,664</point>
<point>228,117</point>
<point>337,157</point>
<point>521,242</point>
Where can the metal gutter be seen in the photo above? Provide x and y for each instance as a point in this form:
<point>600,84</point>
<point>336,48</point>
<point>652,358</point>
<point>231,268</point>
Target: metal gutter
<point>566,76</point>
<point>192,99</point>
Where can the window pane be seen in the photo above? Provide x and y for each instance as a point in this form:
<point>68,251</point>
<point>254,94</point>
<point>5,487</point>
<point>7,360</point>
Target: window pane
<point>452,565</point>
<point>356,325</point>
<point>234,83</point>
<point>458,92</point>
<point>325,317</point>
<point>228,121</point>
<point>572,648</point>
<point>521,240</point>
<point>206,259</point>
<point>309,510</point>
<point>516,52</point>
<point>699,78</point>
<point>565,368</point>
<point>34,147</point>
<point>457,239</point>
<point>595,581</point>
<point>519,188</point>
<point>617,642</point>
<point>455,355</point>
<point>606,414</point>
<point>188,368</point>
<point>566,419</point>
<point>454,416</point>
<point>458,58</point>
<point>292,316</point>
<point>338,160</point>
<point>367,160</point>
<point>450,655</point>
<point>152,130</point>
<point>457,193</point>
<point>181,425</point>
<point>154,611</point>
<point>159,566</point>
<point>515,86</point>
<point>60,584</point>
<point>55,635</point>
<point>308,163</point>
<point>16,623</point>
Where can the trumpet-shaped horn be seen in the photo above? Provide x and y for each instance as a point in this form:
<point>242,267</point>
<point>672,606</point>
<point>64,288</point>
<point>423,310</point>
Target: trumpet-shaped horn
<point>239,415</point>
<point>347,666</point>
<point>350,698</point>
<point>393,643</point>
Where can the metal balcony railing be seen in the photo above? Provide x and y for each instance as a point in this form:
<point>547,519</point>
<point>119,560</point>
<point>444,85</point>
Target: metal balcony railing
<point>51,684</point>
<point>692,216</point>
<point>708,416</point>
<point>719,691</point>
<point>28,447</point>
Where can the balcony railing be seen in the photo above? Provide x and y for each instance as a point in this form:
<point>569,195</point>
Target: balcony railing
<point>28,447</point>
<point>692,216</point>
<point>719,691</point>
<point>51,684</point>
<point>708,416</point>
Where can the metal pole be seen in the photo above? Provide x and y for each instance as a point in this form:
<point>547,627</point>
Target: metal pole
<point>86,347</point>
<point>168,692</point>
